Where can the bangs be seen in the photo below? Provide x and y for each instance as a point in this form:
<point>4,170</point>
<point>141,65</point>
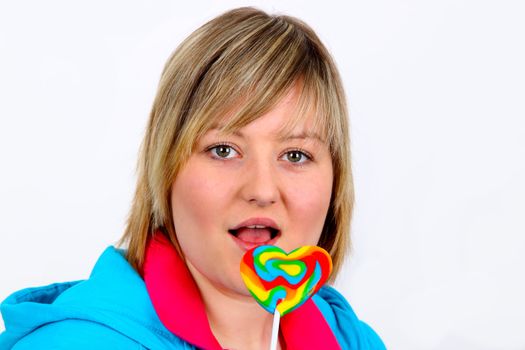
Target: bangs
<point>306,108</point>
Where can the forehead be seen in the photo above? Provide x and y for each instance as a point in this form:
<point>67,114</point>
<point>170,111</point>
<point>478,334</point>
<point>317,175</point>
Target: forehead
<point>297,125</point>
<point>296,114</point>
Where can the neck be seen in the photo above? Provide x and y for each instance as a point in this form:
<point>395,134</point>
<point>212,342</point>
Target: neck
<point>237,321</point>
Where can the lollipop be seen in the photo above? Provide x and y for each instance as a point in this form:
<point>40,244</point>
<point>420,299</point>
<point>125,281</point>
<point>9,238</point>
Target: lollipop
<point>283,282</point>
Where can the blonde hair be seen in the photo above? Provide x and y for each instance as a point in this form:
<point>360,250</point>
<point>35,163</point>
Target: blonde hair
<point>238,66</point>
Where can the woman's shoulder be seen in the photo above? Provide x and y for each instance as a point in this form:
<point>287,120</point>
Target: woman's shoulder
<point>112,307</point>
<point>350,331</point>
<point>75,334</point>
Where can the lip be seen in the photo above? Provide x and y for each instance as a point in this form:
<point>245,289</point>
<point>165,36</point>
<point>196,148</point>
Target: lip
<point>245,246</point>
<point>257,221</point>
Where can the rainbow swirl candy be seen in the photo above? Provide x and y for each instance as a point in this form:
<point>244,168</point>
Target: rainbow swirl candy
<point>283,282</point>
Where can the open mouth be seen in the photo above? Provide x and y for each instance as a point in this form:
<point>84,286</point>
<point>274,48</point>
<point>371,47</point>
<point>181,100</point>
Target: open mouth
<point>248,238</point>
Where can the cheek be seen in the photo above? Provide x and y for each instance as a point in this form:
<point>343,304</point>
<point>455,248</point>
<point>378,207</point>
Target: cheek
<point>309,201</point>
<point>190,199</point>
<point>198,198</point>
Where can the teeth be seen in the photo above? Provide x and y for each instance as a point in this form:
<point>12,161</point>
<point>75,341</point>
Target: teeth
<point>256,226</point>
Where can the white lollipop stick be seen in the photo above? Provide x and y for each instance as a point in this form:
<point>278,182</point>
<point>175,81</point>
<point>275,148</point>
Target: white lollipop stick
<point>275,330</point>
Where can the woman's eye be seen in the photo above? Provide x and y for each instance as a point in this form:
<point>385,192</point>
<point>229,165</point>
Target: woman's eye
<point>295,156</point>
<point>222,151</point>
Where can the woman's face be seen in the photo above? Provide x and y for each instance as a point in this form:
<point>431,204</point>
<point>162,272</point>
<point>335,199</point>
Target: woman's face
<point>228,180</point>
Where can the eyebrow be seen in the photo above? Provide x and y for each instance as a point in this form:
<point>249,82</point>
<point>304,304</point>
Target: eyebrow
<point>303,135</point>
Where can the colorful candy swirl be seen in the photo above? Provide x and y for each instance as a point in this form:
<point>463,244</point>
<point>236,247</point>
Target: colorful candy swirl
<point>283,282</point>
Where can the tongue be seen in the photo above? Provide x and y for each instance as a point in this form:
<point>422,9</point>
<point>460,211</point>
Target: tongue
<point>254,235</point>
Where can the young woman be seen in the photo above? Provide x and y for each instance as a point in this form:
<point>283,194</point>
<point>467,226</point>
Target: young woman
<point>247,144</point>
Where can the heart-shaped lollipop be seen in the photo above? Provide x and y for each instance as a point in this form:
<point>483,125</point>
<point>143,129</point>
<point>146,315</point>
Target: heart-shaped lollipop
<point>283,282</point>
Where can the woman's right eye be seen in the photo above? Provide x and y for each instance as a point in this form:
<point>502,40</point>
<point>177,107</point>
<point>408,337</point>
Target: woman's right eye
<point>221,151</point>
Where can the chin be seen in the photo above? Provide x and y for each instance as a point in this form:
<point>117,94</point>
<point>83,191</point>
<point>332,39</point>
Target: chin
<point>236,286</point>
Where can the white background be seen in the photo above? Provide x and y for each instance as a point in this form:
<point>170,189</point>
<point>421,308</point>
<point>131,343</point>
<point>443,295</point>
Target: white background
<point>436,92</point>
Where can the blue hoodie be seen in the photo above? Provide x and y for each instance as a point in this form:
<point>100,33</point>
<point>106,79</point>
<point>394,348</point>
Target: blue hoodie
<point>112,310</point>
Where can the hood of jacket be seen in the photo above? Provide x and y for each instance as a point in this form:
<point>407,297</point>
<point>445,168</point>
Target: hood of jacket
<point>114,295</point>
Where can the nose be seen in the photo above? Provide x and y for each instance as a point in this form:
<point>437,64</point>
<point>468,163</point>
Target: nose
<point>260,183</point>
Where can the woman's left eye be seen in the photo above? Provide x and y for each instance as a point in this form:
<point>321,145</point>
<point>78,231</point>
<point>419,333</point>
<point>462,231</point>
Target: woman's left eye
<point>296,155</point>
